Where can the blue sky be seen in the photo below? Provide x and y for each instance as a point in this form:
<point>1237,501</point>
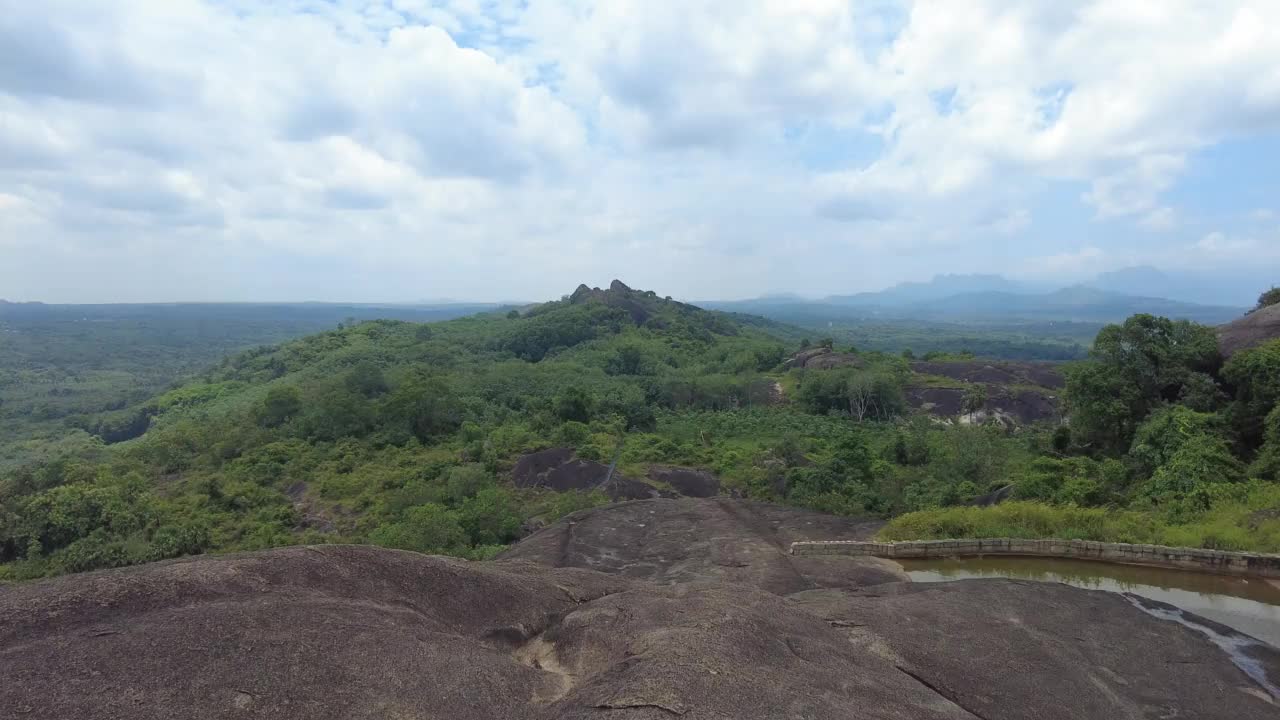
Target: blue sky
<point>394,150</point>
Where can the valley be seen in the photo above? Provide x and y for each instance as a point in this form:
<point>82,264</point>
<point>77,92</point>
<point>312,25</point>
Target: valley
<point>617,478</point>
<point>461,436</point>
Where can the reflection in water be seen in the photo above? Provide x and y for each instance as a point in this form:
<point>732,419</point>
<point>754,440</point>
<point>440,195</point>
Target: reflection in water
<point>1249,605</point>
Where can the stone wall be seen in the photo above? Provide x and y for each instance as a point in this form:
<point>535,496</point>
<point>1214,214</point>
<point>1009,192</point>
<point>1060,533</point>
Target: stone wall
<point>1215,561</point>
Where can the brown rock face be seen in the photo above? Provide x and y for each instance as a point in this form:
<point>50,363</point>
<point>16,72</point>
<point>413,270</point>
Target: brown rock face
<point>823,359</point>
<point>1024,406</point>
<point>1046,375</point>
<point>689,482</point>
<point>1008,650</point>
<point>697,612</point>
<point>725,540</point>
<point>1249,331</point>
<point>558,469</point>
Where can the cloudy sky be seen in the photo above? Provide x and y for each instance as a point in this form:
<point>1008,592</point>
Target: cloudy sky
<point>398,150</point>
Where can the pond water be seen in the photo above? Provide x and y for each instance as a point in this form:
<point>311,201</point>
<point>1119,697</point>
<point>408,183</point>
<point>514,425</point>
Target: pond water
<point>1249,605</point>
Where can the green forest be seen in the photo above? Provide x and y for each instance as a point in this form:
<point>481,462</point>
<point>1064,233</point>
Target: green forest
<point>69,373</point>
<point>403,434</point>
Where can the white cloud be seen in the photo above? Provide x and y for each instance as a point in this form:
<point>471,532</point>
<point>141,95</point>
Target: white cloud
<point>477,148</point>
<point>1161,219</point>
<point>1074,264</point>
<point>1218,243</point>
<point>1012,222</point>
<point>1135,189</point>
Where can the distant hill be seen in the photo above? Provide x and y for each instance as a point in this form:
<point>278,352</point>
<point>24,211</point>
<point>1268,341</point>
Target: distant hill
<point>1139,280</point>
<point>1004,311</point>
<point>1205,287</point>
<point>939,287</point>
<point>1079,303</point>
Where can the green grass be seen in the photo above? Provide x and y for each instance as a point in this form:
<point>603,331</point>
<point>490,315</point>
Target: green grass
<point>1240,523</point>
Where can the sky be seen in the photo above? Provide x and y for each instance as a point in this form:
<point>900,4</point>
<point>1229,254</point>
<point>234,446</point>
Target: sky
<point>400,150</point>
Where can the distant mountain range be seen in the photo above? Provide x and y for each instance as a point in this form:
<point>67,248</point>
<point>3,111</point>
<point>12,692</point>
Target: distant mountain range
<point>939,287</point>
<point>993,298</point>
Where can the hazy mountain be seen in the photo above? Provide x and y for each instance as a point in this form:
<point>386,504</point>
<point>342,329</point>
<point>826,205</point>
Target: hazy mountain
<point>940,286</point>
<point>1203,287</point>
<point>1079,303</point>
<point>1076,303</point>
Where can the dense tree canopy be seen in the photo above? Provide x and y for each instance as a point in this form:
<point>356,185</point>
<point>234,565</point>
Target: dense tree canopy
<point>1133,369</point>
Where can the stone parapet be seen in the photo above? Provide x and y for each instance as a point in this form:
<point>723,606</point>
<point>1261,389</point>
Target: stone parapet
<point>1214,561</point>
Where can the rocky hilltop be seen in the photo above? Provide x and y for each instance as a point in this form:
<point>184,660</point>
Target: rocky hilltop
<point>644,610</point>
<point>1249,331</point>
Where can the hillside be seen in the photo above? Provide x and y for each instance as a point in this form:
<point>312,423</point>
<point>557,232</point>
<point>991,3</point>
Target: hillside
<point>361,432</point>
<point>1250,331</point>
<point>460,437</point>
<point>694,611</point>
<point>65,369</point>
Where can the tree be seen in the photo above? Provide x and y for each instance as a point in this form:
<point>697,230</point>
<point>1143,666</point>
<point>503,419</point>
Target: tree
<point>366,379</point>
<point>975,399</point>
<point>842,484</point>
<point>629,359</point>
<point>1075,481</point>
<point>874,394</point>
<point>334,412</point>
<point>1254,374</point>
<point>1133,368</point>
<point>425,528</point>
<point>465,481</point>
<point>281,403</point>
<point>425,407</point>
<point>490,517</point>
<point>1267,464</point>
<point>1185,480</point>
<point>1165,432</point>
<point>1268,298</point>
<point>574,403</point>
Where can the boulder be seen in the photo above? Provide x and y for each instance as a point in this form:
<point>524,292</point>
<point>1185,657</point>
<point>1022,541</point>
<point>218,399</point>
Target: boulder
<point>558,469</point>
<point>689,482</point>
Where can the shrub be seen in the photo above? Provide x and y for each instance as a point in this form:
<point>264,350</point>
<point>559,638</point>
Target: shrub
<point>427,529</point>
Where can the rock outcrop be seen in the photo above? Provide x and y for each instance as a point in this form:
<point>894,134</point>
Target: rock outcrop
<point>693,610</point>
<point>720,540</point>
<point>1249,331</point>
<point>559,469</point>
<point>689,482</point>
<point>995,372</point>
<point>1016,408</point>
<point>822,359</point>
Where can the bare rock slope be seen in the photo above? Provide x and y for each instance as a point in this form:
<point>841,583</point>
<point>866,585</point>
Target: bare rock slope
<point>645,610</point>
<point>1249,331</point>
<point>719,540</point>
